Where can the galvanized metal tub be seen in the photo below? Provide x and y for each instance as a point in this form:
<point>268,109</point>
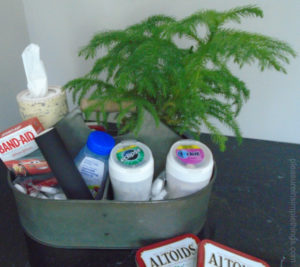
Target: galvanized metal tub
<point>108,223</point>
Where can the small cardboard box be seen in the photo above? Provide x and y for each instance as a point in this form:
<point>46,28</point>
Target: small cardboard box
<point>18,141</point>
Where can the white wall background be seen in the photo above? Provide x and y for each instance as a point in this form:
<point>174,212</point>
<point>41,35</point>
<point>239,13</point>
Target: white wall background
<point>61,27</point>
<point>13,38</point>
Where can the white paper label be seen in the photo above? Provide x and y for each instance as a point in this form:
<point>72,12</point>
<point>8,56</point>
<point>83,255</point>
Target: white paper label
<point>18,144</point>
<point>217,257</point>
<point>182,253</point>
<point>92,171</point>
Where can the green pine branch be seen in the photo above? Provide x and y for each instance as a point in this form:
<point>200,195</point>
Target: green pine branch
<point>184,88</point>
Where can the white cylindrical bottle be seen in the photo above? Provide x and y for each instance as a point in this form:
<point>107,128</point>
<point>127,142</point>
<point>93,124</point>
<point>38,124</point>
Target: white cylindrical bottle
<point>131,168</point>
<point>189,168</point>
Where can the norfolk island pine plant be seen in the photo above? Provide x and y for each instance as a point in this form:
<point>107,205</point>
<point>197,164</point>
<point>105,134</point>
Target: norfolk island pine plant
<point>144,69</point>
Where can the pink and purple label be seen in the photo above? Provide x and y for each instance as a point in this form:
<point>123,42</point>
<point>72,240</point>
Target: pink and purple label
<point>190,154</point>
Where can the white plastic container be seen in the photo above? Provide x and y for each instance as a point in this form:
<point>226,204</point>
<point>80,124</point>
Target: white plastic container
<point>131,168</point>
<point>189,168</point>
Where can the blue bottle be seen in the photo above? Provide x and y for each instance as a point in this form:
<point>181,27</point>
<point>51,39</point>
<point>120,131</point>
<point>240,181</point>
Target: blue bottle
<point>92,161</point>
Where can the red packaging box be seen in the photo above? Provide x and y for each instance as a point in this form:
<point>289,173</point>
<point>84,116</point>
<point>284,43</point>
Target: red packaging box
<point>18,141</point>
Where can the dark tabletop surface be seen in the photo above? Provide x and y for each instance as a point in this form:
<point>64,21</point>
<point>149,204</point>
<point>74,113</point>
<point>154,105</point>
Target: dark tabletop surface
<point>253,209</point>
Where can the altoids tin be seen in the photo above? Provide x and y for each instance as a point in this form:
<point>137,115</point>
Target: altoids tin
<point>213,254</point>
<point>179,251</point>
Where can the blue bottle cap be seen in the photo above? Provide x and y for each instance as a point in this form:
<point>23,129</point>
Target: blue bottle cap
<point>100,143</point>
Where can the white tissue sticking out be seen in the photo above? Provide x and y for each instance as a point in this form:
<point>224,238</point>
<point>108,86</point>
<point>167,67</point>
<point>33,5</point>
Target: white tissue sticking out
<point>158,189</point>
<point>157,186</point>
<point>161,196</point>
<point>35,71</point>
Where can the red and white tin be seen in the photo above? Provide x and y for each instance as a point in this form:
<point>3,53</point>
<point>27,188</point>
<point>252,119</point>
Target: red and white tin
<point>179,251</point>
<point>212,254</point>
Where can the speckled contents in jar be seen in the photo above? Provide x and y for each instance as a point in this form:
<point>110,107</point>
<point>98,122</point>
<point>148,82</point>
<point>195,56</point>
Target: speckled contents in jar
<point>49,109</point>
